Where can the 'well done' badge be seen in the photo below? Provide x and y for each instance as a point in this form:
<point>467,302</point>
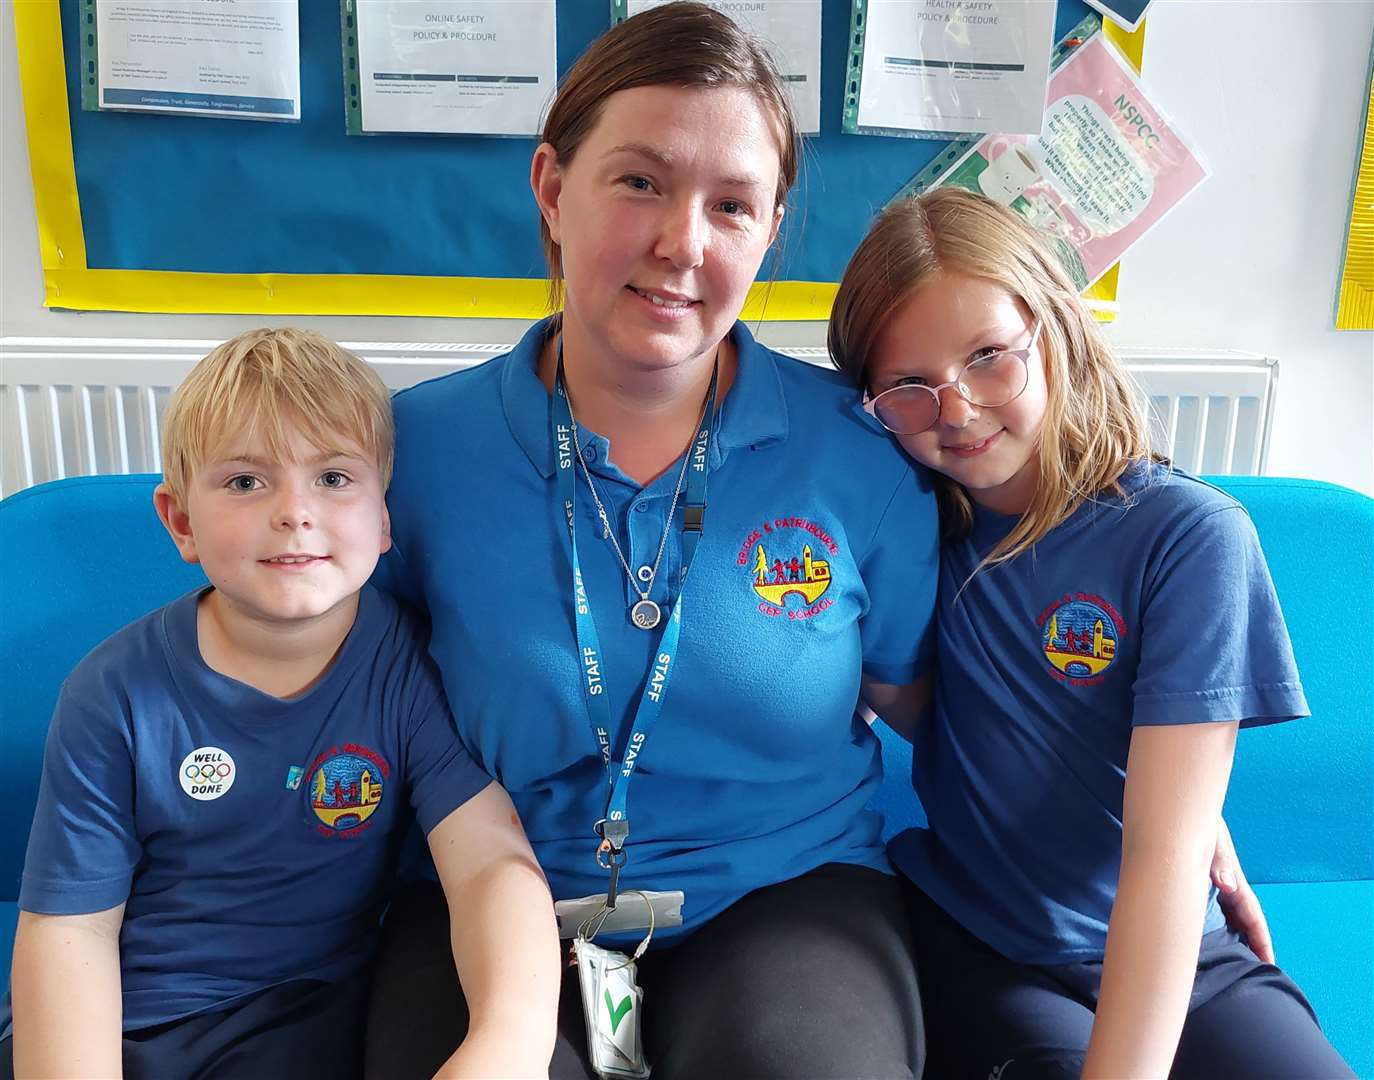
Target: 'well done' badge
<point>207,773</point>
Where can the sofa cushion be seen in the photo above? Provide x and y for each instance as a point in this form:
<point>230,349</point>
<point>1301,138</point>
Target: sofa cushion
<point>81,557</point>
<point>1300,803</point>
<point>1324,938</point>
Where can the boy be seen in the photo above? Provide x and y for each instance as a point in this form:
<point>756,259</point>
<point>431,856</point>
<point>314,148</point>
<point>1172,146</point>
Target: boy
<point>226,779</point>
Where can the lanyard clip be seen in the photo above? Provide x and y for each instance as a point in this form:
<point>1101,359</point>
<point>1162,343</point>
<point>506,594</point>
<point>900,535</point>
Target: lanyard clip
<point>693,516</point>
<point>610,854</point>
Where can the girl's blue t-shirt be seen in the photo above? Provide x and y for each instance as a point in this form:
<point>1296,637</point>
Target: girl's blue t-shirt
<point>818,561</point>
<point>1152,608</point>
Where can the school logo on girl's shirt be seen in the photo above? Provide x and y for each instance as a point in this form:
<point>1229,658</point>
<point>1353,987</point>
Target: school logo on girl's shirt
<point>346,785</point>
<point>1079,634</point>
<point>790,577</point>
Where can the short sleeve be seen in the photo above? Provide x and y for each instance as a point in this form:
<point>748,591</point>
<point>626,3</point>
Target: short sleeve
<point>440,773</point>
<point>901,573</point>
<point>1213,644</point>
<point>83,846</point>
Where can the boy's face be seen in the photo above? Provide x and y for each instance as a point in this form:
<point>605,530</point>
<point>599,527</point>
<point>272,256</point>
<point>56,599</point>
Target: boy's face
<point>282,541</point>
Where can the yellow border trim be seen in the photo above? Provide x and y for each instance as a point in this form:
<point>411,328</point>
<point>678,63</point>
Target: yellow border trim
<point>1355,300</point>
<point>38,34</point>
<point>69,282</point>
<point>362,294</point>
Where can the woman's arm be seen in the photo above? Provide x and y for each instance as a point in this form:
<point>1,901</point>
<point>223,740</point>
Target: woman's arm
<point>1176,780</point>
<point>68,1012</point>
<point>505,938</point>
<point>1238,900</point>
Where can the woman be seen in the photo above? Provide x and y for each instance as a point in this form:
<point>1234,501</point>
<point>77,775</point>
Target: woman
<point>722,701</point>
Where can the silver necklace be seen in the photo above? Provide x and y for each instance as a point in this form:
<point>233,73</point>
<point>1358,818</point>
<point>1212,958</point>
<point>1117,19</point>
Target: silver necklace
<point>644,613</point>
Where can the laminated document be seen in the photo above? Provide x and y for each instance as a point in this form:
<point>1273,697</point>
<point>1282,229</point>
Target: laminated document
<point>931,68</point>
<point>451,67</point>
<point>200,57</point>
<point>1109,165</point>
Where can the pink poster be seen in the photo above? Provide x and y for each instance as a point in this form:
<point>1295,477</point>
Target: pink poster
<point>1106,167</point>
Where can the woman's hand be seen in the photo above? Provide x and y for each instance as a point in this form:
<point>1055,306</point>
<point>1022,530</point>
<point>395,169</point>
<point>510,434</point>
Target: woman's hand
<point>1237,899</point>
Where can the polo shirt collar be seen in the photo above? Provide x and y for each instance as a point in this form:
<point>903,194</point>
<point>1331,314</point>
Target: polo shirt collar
<point>753,412</point>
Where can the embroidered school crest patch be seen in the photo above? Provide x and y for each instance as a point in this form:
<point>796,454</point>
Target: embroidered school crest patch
<point>789,575</point>
<point>346,787</point>
<point>1079,634</point>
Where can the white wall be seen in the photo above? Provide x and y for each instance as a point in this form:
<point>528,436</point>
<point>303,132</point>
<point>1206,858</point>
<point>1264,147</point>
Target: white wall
<point>1272,91</point>
<point>1276,102</point>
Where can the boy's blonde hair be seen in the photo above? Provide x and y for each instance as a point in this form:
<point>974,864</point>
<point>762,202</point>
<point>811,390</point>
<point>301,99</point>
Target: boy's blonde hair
<point>1092,428</point>
<point>264,380</point>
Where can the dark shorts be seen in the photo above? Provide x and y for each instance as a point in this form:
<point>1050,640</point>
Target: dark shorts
<point>808,978</point>
<point>300,1028</point>
<point>989,1017</point>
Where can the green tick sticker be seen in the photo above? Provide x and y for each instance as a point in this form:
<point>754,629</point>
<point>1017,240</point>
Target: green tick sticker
<point>617,1012</point>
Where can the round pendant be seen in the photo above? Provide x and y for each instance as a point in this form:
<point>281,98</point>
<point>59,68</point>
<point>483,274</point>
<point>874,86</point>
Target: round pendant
<point>645,614</point>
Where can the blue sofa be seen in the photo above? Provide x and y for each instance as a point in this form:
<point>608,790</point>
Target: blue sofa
<point>82,557</point>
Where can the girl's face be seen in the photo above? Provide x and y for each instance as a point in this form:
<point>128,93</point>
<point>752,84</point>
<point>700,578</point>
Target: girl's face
<point>663,217</point>
<point>951,319</point>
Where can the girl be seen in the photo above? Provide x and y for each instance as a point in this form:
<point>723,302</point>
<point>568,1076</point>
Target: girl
<point>1105,625</point>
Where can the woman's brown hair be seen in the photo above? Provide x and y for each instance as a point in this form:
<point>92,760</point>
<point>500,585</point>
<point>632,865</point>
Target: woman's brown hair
<point>678,44</point>
<point>1093,427</point>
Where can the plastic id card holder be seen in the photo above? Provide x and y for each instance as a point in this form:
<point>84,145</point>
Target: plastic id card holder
<point>611,1004</point>
<point>634,910</point>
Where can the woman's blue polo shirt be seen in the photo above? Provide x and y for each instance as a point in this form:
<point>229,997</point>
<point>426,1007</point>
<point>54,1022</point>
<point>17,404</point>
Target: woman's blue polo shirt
<point>818,560</point>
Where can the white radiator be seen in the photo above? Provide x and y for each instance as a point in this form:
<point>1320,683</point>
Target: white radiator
<point>81,406</point>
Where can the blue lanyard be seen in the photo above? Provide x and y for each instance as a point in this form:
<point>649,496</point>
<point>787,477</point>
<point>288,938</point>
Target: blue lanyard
<point>614,829</point>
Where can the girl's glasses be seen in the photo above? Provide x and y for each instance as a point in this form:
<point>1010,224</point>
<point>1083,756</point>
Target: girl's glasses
<point>987,382</point>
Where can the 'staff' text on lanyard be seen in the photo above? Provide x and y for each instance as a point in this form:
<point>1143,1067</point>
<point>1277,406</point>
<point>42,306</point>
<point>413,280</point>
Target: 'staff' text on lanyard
<point>614,829</point>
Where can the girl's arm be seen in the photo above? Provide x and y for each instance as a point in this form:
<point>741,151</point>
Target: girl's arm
<point>68,1012</point>
<point>1176,778</point>
<point>902,708</point>
<point>505,938</point>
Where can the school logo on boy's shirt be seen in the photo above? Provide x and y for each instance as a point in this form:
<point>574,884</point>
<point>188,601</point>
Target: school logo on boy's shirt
<point>206,773</point>
<point>1079,634</point>
<point>789,576</point>
<point>346,785</point>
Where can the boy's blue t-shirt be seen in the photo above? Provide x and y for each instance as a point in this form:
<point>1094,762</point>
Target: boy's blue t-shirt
<point>251,839</point>
<point>1153,609</point>
<point>818,561</point>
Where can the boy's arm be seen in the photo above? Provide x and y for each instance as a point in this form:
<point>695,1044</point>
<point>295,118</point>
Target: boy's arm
<point>68,1012</point>
<point>505,938</point>
<point>1176,780</point>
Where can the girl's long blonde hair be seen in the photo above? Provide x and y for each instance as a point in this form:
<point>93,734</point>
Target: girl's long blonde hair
<point>1092,429</point>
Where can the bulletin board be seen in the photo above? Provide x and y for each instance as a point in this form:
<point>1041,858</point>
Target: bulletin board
<point>185,214</point>
<point>1355,294</point>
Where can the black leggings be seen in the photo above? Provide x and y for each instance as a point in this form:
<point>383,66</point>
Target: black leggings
<point>991,1017</point>
<point>808,978</point>
<point>300,1028</point>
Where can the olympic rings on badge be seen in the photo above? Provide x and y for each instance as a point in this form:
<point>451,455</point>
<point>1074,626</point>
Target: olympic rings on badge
<point>208,772</point>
